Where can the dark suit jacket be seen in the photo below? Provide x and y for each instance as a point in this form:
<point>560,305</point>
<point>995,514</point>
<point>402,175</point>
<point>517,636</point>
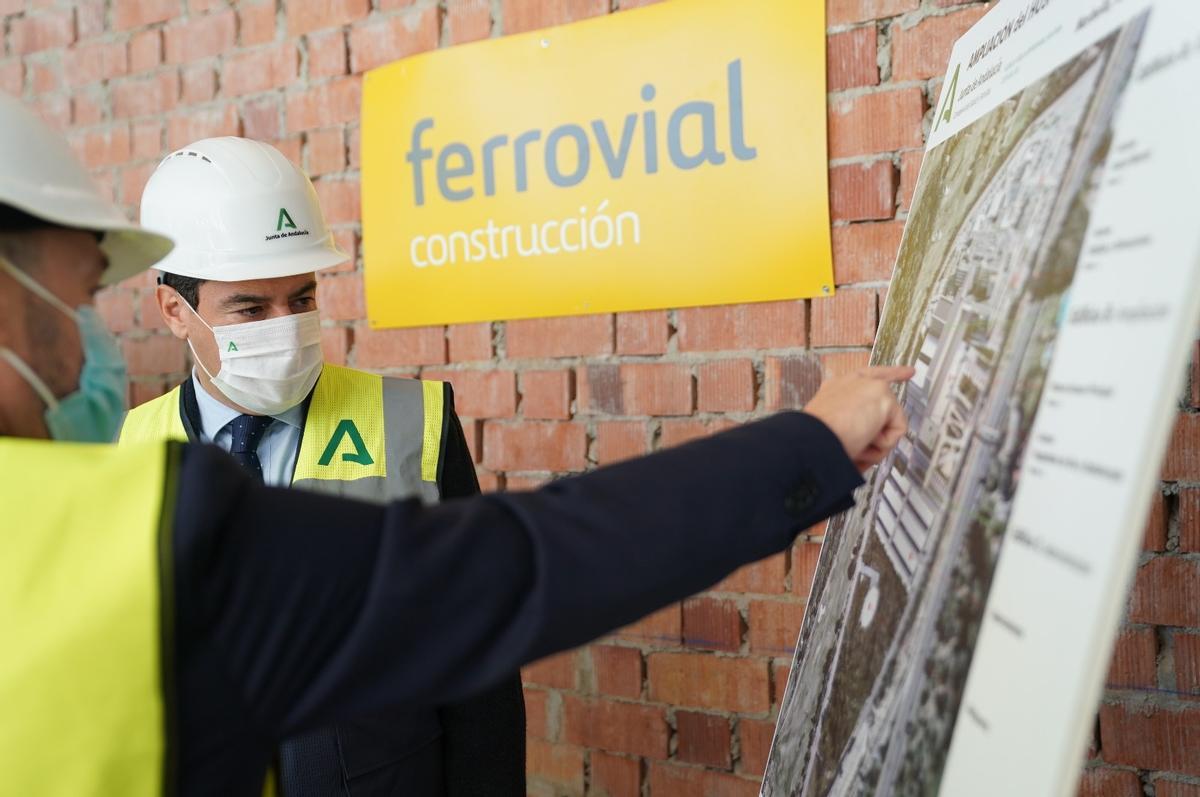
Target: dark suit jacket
<point>472,747</point>
<point>294,610</point>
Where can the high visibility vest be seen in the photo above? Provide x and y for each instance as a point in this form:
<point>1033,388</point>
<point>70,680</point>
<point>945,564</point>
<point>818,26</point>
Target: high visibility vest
<point>85,615</point>
<point>364,437</point>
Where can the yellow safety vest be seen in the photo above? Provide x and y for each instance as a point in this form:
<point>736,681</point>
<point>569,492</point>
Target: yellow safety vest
<point>365,437</point>
<point>85,616</point>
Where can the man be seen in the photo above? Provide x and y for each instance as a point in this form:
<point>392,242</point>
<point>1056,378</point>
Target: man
<point>249,234</point>
<point>168,619</point>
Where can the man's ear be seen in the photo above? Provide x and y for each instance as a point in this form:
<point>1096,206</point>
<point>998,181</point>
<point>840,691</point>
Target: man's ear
<point>173,310</point>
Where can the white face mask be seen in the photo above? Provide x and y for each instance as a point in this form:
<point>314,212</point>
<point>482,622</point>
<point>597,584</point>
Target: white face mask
<point>269,366</point>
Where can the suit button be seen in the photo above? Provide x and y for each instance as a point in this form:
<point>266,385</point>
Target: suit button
<point>800,500</point>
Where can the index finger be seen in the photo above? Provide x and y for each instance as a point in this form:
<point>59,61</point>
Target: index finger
<point>891,373</point>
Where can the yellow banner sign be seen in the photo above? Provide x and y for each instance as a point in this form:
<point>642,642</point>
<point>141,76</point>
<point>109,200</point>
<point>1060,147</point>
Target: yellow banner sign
<point>666,157</point>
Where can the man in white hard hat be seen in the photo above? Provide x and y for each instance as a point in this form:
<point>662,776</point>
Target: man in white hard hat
<point>168,619</point>
<point>240,288</point>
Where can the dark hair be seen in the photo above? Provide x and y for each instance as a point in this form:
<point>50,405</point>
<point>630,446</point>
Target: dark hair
<point>187,287</point>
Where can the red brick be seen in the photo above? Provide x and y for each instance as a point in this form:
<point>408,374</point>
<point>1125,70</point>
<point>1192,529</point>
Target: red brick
<point>184,128</point>
<point>578,336</point>
<point>555,764</point>
<point>805,556</point>
<point>1195,375</point>
<point>557,672</point>
<point>656,389</point>
<point>844,319</point>
<point>844,362</point>
<point>537,713</point>
<point>197,84</point>
<point>710,682</point>
<point>664,627</point>
<point>774,627</point>
<point>852,59</point>
<point>133,183</point>
<point>1134,662</point>
<point>779,681</point>
<point>354,146</point>
<point>1154,537</point>
<point>325,151</point>
<point>725,386</point>
<point>678,781</point>
<point>200,37</point>
<point>1174,788</point>
<point>141,392</point>
<point>1183,454</point>
<point>614,776</point>
<point>470,342</point>
<point>89,16</point>
<point>42,31</point>
<point>261,69</point>
<point>115,306</point>
<point>107,147</point>
<point>257,23</point>
<point>768,576</point>
<point>1151,737</point>
<point>861,192</point>
<point>392,348</point>
<point>618,670</point>
<point>866,252</point>
<point>335,344</point>
<point>620,440</point>
<point>290,147</point>
<point>327,54</point>
<point>481,394</point>
<point>393,38</point>
<point>678,432</point>
<point>791,382</point>
<point>1167,592</point>
<point>1104,782</point>
<point>703,739</point>
<point>339,200</point>
<point>755,737</point>
<point>145,50</point>
<point>910,170</point>
<point>304,16</point>
<point>615,727</point>
<point>12,76</point>
<point>845,12</point>
<point>598,390</point>
<point>546,395</point>
<point>921,51</point>
<point>556,447</point>
<point>765,325</point>
<point>525,482</point>
<point>145,96</point>
<point>877,122</point>
<point>156,355</point>
<point>1189,520</point>
<point>1187,662</point>
<point>261,118</point>
<point>333,103</point>
<point>341,298</point>
<point>642,333</point>
<point>468,20</point>
<point>712,624</point>
<point>45,77</point>
<point>93,62</point>
<point>522,15</point>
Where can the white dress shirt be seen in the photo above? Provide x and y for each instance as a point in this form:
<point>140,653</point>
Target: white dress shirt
<point>279,445</point>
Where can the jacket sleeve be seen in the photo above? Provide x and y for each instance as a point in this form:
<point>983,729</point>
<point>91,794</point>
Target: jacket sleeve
<point>483,737</point>
<point>320,608</point>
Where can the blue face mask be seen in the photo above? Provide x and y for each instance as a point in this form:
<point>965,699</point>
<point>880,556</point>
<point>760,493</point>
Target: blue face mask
<point>93,413</point>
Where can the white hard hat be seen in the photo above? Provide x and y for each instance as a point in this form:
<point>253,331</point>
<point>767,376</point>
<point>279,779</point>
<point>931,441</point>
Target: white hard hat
<point>41,177</point>
<point>237,210</point>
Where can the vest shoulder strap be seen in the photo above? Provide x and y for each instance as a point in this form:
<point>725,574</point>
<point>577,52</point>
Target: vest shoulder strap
<point>157,420</point>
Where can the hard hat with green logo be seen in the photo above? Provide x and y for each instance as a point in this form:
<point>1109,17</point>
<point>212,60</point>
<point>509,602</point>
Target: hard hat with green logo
<point>237,210</point>
<point>41,178</point>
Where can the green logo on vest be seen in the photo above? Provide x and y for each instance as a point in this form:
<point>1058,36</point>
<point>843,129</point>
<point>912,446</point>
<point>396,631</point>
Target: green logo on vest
<point>284,221</point>
<point>232,346</point>
<point>346,428</point>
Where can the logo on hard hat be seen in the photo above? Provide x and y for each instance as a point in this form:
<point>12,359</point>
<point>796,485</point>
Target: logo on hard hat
<point>285,221</point>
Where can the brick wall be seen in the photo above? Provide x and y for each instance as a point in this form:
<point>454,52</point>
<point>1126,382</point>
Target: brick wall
<point>683,703</point>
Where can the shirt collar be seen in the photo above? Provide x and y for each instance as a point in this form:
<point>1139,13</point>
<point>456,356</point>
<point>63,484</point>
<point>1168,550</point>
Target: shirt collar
<point>215,415</point>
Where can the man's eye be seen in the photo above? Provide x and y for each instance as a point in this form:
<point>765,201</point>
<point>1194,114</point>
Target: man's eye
<point>305,303</point>
<point>250,312</point>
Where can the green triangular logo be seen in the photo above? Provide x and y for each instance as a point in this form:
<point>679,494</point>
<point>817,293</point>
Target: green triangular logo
<point>285,220</point>
<point>232,346</point>
<point>346,428</point>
